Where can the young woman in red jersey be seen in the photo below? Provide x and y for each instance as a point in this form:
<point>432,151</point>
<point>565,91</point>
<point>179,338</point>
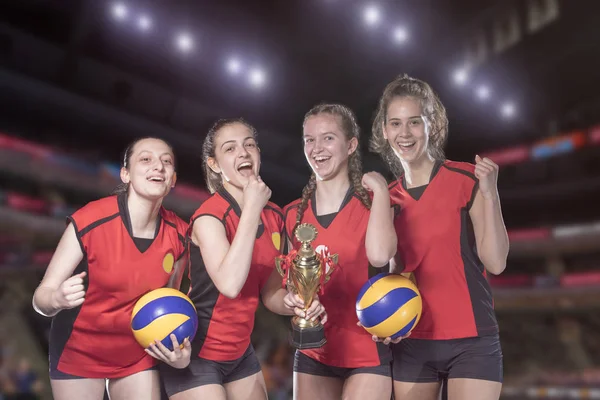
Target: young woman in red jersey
<point>450,231</point>
<point>350,365</point>
<point>235,236</point>
<point>113,251</point>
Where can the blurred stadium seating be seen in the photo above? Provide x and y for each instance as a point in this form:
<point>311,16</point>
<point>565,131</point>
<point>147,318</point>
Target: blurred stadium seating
<point>546,298</point>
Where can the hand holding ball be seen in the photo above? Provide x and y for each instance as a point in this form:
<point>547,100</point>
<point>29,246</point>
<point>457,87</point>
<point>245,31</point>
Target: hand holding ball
<point>163,312</point>
<point>389,305</point>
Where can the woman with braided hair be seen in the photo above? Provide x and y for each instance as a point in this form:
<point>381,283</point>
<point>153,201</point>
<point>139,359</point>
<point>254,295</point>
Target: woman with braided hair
<point>336,201</point>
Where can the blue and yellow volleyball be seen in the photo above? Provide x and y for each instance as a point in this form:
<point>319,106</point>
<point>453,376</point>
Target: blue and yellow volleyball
<point>389,305</point>
<point>161,312</point>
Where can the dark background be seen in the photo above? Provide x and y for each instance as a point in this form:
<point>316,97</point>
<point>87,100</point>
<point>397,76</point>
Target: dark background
<point>79,80</point>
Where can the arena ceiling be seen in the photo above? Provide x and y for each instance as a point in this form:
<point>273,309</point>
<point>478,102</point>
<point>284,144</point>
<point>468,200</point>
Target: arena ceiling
<point>290,55</point>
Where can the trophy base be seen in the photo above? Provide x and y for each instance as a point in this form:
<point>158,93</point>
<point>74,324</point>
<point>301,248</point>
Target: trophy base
<point>307,338</point>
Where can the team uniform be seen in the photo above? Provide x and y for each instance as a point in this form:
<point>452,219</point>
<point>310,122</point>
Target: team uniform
<point>349,349</point>
<point>457,336</point>
<point>221,350</point>
<point>95,339</point>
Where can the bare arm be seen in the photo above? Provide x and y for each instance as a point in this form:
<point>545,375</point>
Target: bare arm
<point>273,295</point>
<point>178,271</point>
<point>486,215</point>
<point>490,233</point>
<point>381,240</point>
<point>227,265</point>
<point>58,289</point>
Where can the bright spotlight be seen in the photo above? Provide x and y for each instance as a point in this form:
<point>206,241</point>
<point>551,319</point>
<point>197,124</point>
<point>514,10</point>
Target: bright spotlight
<point>508,110</point>
<point>185,42</point>
<point>372,15</point>
<point>120,11</point>
<point>460,76</point>
<point>483,92</point>
<point>234,66</point>
<point>257,78</point>
<point>400,35</point>
<point>144,22</point>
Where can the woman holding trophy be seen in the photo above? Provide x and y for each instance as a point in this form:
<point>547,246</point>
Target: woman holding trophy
<point>234,237</point>
<point>450,232</point>
<point>333,214</point>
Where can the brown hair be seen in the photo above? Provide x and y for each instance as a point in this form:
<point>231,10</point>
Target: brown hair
<point>214,181</point>
<point>124,187</point>
<point>433,109</point>
<point>350,128</point>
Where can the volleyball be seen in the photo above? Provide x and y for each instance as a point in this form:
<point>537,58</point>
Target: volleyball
<point>389,305</point>
<point>161,312</point>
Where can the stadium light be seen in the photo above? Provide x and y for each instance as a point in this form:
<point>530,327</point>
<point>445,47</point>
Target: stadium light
<point>372,15</point>
<point>257,78</point>
<point>400,35</point>
<point>120,11</point>
<point>508,110</point>
<point>185,43</point>
<point>234,66</point>
<point>460,76</point>
<point>483,92</point>
<point>144,22</point>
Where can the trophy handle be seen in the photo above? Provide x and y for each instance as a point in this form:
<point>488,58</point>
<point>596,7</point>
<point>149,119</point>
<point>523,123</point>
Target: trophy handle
<point>334,259</point>
<point>279,266</point>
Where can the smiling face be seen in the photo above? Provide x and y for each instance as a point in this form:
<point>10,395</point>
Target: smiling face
<point>150,169</point>
<point>406,129</point>
<point>326,146</point>
<point>236,154</point>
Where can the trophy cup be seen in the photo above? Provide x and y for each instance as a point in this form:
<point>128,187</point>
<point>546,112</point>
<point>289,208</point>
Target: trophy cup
<point>305,272</point>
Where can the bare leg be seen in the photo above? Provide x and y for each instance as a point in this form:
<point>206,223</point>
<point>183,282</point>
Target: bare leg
<point>314,387</point>
<point>416,390</point>
<point>216,392</point>
<point>77,389</point>
<point>367,386</point>
<point>252,387</point>
<point>473,389</point>
<point>141,385</point>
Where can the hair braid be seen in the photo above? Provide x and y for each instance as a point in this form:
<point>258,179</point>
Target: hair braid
<point>307,193</point>
<point>355,175</point>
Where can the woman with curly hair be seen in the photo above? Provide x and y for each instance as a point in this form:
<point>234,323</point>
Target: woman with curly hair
<point>450,232</point>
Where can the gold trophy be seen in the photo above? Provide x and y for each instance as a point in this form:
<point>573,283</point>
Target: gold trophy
<point>305,272</point>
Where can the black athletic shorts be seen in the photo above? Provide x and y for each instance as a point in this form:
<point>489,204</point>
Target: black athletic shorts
<point>202,372</point>
<point>420,360</point>
<point>307,365</point>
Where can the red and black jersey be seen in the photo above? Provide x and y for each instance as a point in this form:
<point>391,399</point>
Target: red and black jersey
<point>224,324</point>
<point>95,339</point>
<point>342,233</point>
<point>437,242</point>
